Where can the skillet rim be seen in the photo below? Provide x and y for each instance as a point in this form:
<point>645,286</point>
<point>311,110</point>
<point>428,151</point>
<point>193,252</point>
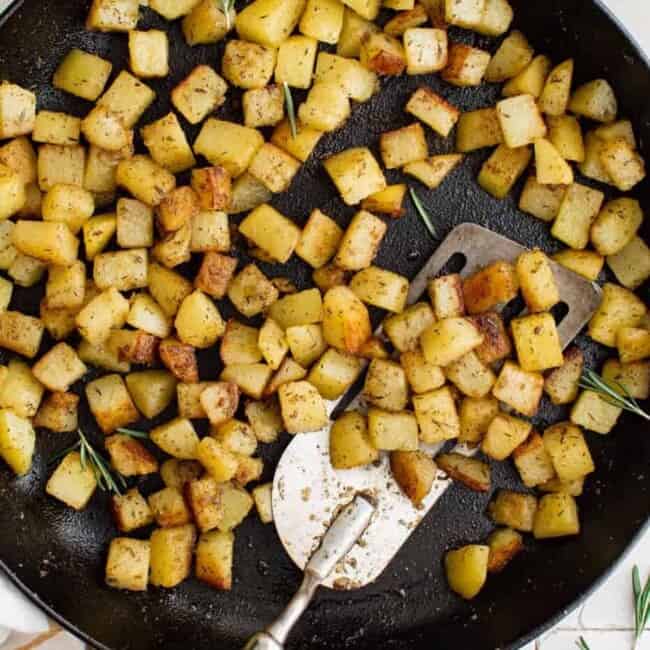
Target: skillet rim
<point>536,632</point>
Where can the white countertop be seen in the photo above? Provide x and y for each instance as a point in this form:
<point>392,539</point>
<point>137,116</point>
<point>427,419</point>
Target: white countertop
<point>606,620</point>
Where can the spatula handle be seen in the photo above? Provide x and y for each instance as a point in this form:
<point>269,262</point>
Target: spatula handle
<point>7,7</point>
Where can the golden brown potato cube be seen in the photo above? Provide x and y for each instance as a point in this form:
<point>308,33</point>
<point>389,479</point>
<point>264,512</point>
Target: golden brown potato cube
<point>248,65</point>
<point>66,286</point>
<point>129,457</point>
<point>272,343</point>
<point>537,342</point>
<point>386,386</point>
<point>478,129</point>
<point>350,444</point>
<point>323,20</point>
<point>144,179</point>
<point>17,445</point>
<point>466,569</point>
<point>199,94</point>
<point>302,145</point>
<point>346,322</point>
<point>466,65</point>
<point>20,391</point>
<point>176,473</point>
<point>505,433</point>
<point>271,231</point>
<point>356,174</point>
<point>151,390</point>
<point>263,106</point>
<point>561,384</point>
<point>437,415</point>
<point>360,242</point>
<point>358,83</point>
<point>595,100</point>
<point>619,308</point>
<point>263,502</point>
<point>198,321</point>
<point>56,128</point>
<point>536,280</point>
<point>531,80</point>
<point>19,156</point>
<point>169,508</point>
<point>326,108</point>
<point>82,74</point>
<point>214,557</point>
<point>306,343</point>
<point>471,472</point>
<point>215,274</point>
<point>554,99</point>
<point>566,446</point>
<point>72,482</point>
<point>557,516</point>
<point>329,276</point>
<point>105,130</point>
<point>514,509</point>
<point>289,371</point>
<point>178,208</point>
<point>586,263</point>
<point>274,167</point>
<point>381,288</point>
<point>512,57</point>
<point>207,23</point>
<point>302,407</point>
<point>209,232</point>
<point>49,242</point>
<point>470,376</point>
<point>414,16</point>
<point>134,224</point>
<point>552,168</point>
<point>220,401</point>
<point>476,414</point>
<point>122,270</point>
<point>204,498</point>
<point>236,436</point>
<point>616,225</point>
<point>403,146</point>
<point>521,121</point>
<point>631,265</point>
<point>17,110</point>
<point>433,171</point>
<point>20,333</point>
<point>542,201</point>
<point>68,204</point>
<point>265,419</point>
<point>131,511</point>
<point>414,472</point>
<point>390,431</point>
<point>177,438</point>
<point>236,504</point>
<point>632,378</point>
<point>624,165</point>
<point>128,562</point>
<point>382,54</point>
<point>171,555</point>
<point>26,271</point>
<point>58,412</point>
<point>404,330</point>
<point>504,544</point>
<point>425,50</point>
<point>252,378</point>
<point>59,368</point>
<point>448,340</point>
<point>387,201</point>
<point>113,15</point>
<point>593,412</point>
<point>421,375</point>
<point>533,461</point>
<point>565,134</point>
<point>446,295</point>
<point>171,9</point>
<point>128,98</point>
<point>633,344</point>
<point>97,233</point>
<point>251,291</point>
<point>212,186</point>
<point>60,165</point>
<point>295,64</point>
<point>592,165</point>
<point>574,488</point>
<point>502,170</point>
<point>188,396</point>
<point>269,21</point>
<point>149,53</point>
<point>110,403</point>
<point>239,344</point>
<point>229,145</point>
<point>167,144</point>
<point>319,240</point>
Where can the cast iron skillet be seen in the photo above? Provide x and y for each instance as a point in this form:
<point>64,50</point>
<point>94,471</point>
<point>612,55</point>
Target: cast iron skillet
<point>56,556</point>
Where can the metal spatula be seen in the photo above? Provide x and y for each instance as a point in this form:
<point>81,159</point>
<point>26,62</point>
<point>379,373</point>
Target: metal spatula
<point>308,493</point>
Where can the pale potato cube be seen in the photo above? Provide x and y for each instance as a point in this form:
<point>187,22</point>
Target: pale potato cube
<point>302,407</point>
<point>127,565</point>
<point>568,449</point>
<point>269,22</point>
<point>147,315</point>
<point>433,110</point>
<point>542,201</point>
<point>20,333</point>
<point>586,263</point>
<point>497,18</point>
<point>17,110</point>
<point>207,23</point>
<point>390,431</point>
<point>263,106</point>
<point>446,295</point>
<point>514,509</point>
<point>274,167</point>
<point>68,204</point>
<point>631,265</point>
<point>145,180</point>
<point>579,208</point>
<point>174,248</point>
<point>360,242</point>
<point>214,558</point>
<point>251,292</point>
<point>346,322</point>
<point>172,550</point>
<point>537,281</point>
<point>272,343</point>
<point>60,164</point>
<point>624,165</point>
<point>110,403</point>
<point>537,342</point>
<point>531,80</point>
<point>265,419</point>
<point>151,390</point>
<point>470,376</point>
<point>554,99</point>
<point>19,155</point>
<point>521,121</point>
<point>433,171</point>
<point>512,56</point>
<point>519,388</point>
<point>502,170</point>
<point>105,130</point>
<point>248,65</point>
<point>478,129</point>
<point>50,242</point>
<point>72,482</point>
<point>616,225</point>
<point>199,94</point>
<point>404,330</point>
<point>421,375</point>
<point>464,13</point>
<point>168,288</point>
<point>167,144</point>
<point>448,340</point>
<point>466,66</point>
<point>533,462</point>
<point>289,371</point>
<point>561,384</point>
<point>58,412</point>
<point>12,193</point>
<point>425,50</point>
<point>403,146</point>
<point>632,378</point>
<point>82,74</point>
<point>326,108</point>
<point>475,415</point>
<point>299,147</point>
<point>149,53</point>
<point>252,378</point>
<point>595,100</point>
<point>593,412</point>
<point>633,344</point>
<point>466,568</point>
<point>319,240</point>
<point>239,344</point>
<point>619,308</point>
<point>127,98</point>
<point>26,271</point>
<point>358,82</point>
<point>381,288</point>
<point>295,63</point>
<point>130,511</point>
<point>59,368</point>
<point>263,226</point>
<point>386,386</point>
<point>437,415</point>
<point>56,128</point>
<point>557,516</point>
<point>210,232</point>
<point>176,438</point>
<point>565,134</point>
<point>198,321</point>
<point>17,445</point>
<point>350,444</point>
<point>220,463</point>
<point>504,434</point>
<point>552,168</point>
<point>322,20</point>
<point>306,343</point>
<point>356,174</point>
<point>263,502</point>
<point>133,223</point>
<point>129,457</point>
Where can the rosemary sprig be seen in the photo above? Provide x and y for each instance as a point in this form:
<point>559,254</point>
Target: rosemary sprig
<point>612,392</point>
<point>89,457</point>
<point>133,433</point>
<point>641,604</point>
<point>582,644</point>
<point>425,216</point>
<point>291,110</point>
<point>226,7</point>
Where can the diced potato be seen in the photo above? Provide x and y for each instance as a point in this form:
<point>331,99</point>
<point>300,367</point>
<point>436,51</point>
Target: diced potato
<point>561,384</point>
<point>346,322</point>
<point>188,396</point>
<point>17,445</point>
<point>326,108</point>
<point>350,445</point>
<point>269,22</point>
<point>334,373</point>
<point>414,472</point>
<point>360,242</point>
<point>240,344</point>
<point>542,201</point>
<point>295,62</point>
<point>19,156</point>
<point>593,412</point>
<point>214,558</point>
<point>568,450</point>
<point>113,15</point>
<point>263,502</point>
<point>329,276</point>
<point>575,488</point>
<point>579,208</point>
<point>248,65</point>
<point>533,462</point>
<point>633,344</point>
<point>207,23</point>
<point>382,54</point>
<point>236,436</point>
<point>390,431</point>
<point>251,292</point>
<point>552,169</point>
<point>466,569</point>
<point>220,463</point>
<point>425,50</point>
<point>199,94</point>
<point>619,308</point>
<point>50,242</point>
<point>322,20</point>
<point>319,240</point>
<point>145,180</point>
<point>82,74</point>
<point>497,18</point>
<point>167,144</point>
<point>172,550</point>
<point>476,414</point>
<point>505,433</point>
<point>58,412</point>
<point>356,174</point>
<point>129,457</point>
<point>20,333</point>
<point>433,171</point>
<point>198,321</point>
<point>410,18</point>
<point>386,386</point>
<point>520,120</point>
<point>514,509</point>
<point>531,80</point>
<point>592,165</point>
<point>251,378</point>
<point>502,170</point>
<point>134,224</point>
<point>131,511</point>
<point>388,201</point>
<point>60,164</point>
<point>624,165</point>
<point>448,340</point>
<point>72,482</point>
<point>274,167</point>
<point>504,544</point>
<point>151,390</point>
<point>470,376</point>
<point>265,419</point>
<point>466,66</point>
<point>66,286</point>
<point>59,368</point>
<point>478,129</point>
<point>471,472</point>
<point>98,232</point>
<point>616,225</point>
<point>512,57</point>
<point>104,129</point>
<point>26,271</point>
<point>56,128</point>
<point>446,295</point>
<point>110,403</point>
<point>302,407</point>
<point>358,82</point>
<point>381,288</point>
<point>272,343</point>
<point>404,330</point>
<point>210,232</point>
<point>464,13</point>
<point>631,265</point>
<point>263,227</point>
<point>289,371</point>
<point>172,9</point>
<point>174,248</point>
<point>586,263</point>
<point>355,28</point>
<point>632,378</point>
<point>537,281</point>
<point>127,98</point>
<point>595,100</point>
<point>228,145</point>
<point>212,186</point>
<point>537,342</point>
<point>299,147</point>
<point>565,134</point>
<point>204,498</point>
<point>437,415</point>
<point>306,343</point>
<point>127,565</point>
<point>302,308</point>
<point>177,438</point>
<point>122,270</point>
<point>220,401</point>
<point>103,355</point>
<point>403,146</point>
<point>557,516</point>
<point>263,106</point>
<point>149,53</point>
<point>68,204</point>
<point>168,288</point>
<point>554,99</point>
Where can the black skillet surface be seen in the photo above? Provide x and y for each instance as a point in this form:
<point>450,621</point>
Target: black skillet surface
<point>57,555</point>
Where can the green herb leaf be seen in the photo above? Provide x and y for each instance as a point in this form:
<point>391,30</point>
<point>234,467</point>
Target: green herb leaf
<point>641,603</point>
<point>425,216</point>
<point>133,433</point>
<point>582,644</point>
<point>291,110</point>
<point>612,392</point>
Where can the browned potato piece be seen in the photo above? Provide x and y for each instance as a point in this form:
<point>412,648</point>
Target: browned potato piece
<point>414,472</point>
<point>472,472</point>
<point>127,566</point>
<point>220,402</point>
<point>129,456</point>
<point>504,435</point>
<point>169,508</point>
<point>504,544</point>
<point>466,66</point>
<point>533,462</point>
<point>350,445</point>
<point>557,516</point>
<point>496,341</point>
<point>494,285</point>
<point>514,509</point>
<point>204,498</point>
<point>110,403</point>
<point>566,446</point>
<point>518,388</point>
<point>131,511</point>
<point>466,569</point>
<point>382,53</point>
<point>58,412</point>
<point>346,322</point>
<point>562,383</point>
<point>214,557</point>
<point>171,555</point>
